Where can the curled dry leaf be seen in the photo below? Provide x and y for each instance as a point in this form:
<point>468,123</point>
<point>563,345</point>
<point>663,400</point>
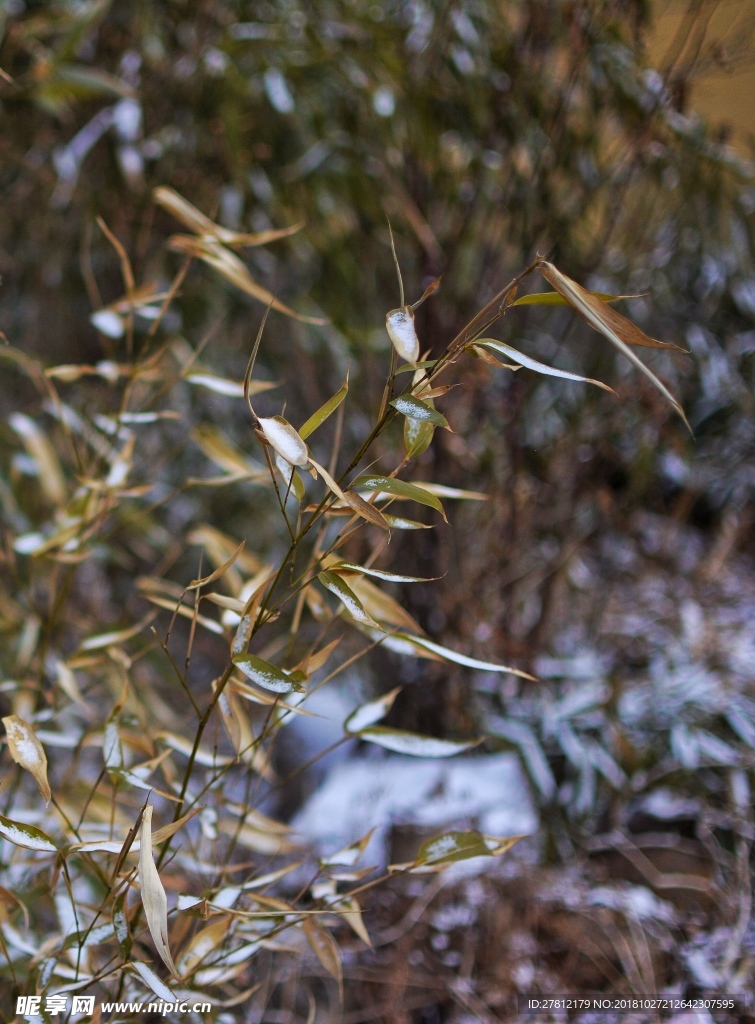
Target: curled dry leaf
<point>325,948</point>
<point>232,269</point>
<point>26,750</point>
<point>612,325</point>
<point>363,508</point>
<point>195,220</point>
<point>220,571</point>
<point>536,365</point>
<point>285,439</point>
<point>154,900</point>
<point>400,326</point>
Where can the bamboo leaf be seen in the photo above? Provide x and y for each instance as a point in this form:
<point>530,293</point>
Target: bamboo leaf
<point>325,948</point>
<point>28,836</point>
<point>349,855</point>
<point>555,299</point>
<point>285,440</point>
<point>232,269</point>
<point>364,509</point>
<point>194,219</point>
<point>318,418</point>
<point>430,290</point>
<point>442,491</point>
<point>399,488</point>
<point>418,436</point>
<point>612,325</point>
<point>400,326</point>
<point>154,900</point>
<point>268,676</point>
<point>412,743</point>
<point>350,910</point>
<point>370,713</point>
<point>456,846</point>
<point>416,409</point>
<point>26,750</point>
<point>223,386</point>
<point>381,606</point>
<point>220,571</point>
<point>462,659</point>
<point>346,596</point>
<point>423,364</point>
<point>536,365</point>
<point>152,981</point>
<point>401,523</point>
<point>380,574</point>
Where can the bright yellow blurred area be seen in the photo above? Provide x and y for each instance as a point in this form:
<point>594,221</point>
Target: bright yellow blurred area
<point>713,41</point>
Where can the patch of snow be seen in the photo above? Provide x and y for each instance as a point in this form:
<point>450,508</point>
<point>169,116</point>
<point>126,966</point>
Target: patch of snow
<point>366,793</point>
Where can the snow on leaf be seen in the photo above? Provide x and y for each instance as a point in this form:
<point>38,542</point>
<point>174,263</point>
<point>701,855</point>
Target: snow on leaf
<point>400,326</point>
<point>535,364</point>
<point>150,979</point>
<point>380,574</point>
<point>462,659</point>
<point>370,713</point>
<point>332,582</point>
<point>266,675</point>
<point>285,440</point>
<point>26,750</point>
<point>28,836</point>
<point>416,409</point>
<point>411,743</point>
<point>398,488</point>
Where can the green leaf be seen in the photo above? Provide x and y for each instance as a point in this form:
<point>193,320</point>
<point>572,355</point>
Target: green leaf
<point>347,597</point>
<point>268,676</point>
<point>410,405</point>
<point>412,743</point>
<point>28,836</point>
<point>536,365</point>
<point>318,418</point>
<point>424,364</point>
<point>392,577</point>
<point>454,846</point>
<point>400,488</point>
<point>418,436</point>
<point>451,847</point>
<point>554,299</point>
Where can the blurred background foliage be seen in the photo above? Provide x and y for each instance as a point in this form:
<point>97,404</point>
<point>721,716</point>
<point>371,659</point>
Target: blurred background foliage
<point>486,132</point>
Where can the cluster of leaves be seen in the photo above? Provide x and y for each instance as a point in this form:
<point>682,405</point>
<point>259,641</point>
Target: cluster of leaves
<point>92,498</point>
